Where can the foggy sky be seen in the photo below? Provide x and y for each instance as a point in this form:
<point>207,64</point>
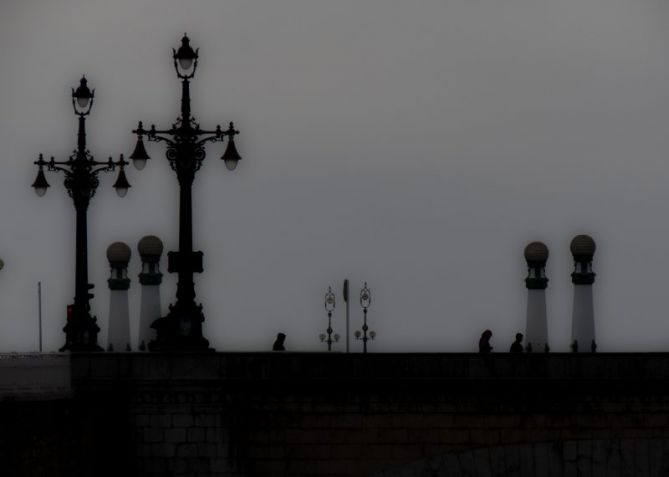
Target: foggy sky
<point>418,146</point>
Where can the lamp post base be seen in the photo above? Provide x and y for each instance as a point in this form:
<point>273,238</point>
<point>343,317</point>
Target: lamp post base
<point>81,331</point>
<point>180,330</point>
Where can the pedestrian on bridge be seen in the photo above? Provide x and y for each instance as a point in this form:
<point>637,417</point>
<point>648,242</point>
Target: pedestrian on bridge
<point>484,342</point>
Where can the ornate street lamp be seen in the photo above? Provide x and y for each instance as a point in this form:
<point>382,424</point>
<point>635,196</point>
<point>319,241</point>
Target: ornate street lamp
<point>81,181</point>
<point>365,302</point>
<point>329,307</point>
<point>181,329</point>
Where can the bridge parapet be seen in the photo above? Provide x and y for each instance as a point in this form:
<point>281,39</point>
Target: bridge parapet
<point>34,376</point>
<point>313,414</point>
<point>376,367</point>
<point>336,415</point>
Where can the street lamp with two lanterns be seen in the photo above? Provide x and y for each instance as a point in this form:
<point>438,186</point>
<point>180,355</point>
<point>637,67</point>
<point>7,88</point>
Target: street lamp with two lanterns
<point>181,329</point>
<point>81,182</point>
<point>365,302</point>
<point>329,307</point>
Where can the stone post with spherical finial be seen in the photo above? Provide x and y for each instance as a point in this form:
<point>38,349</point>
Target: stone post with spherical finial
<point>150,249</point>
<point>536,331</point>
<point>583,317</point>
<point>118,335</point>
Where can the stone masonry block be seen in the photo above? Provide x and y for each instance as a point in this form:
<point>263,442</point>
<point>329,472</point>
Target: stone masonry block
<point>512,460</point>
<point>441,449</point>
<point>454,436</point>
<point>341,452</point>
<point>392,436</point>
<point>349,436</point>
<point>466,461</point>
<point>338,468</point>
<point>182,420</point>
<point>196,465</point>
<point>308,452</point>
<point>195,435</point>
<point>160,420</point>
<point>156,466</point>
<point>630,464</point>
<point>497,460</point>
<point>395,452</point>
<point>209,450</point>
<point>317,421</point>
<point>145,449</point>
<point>163,450</point>
<point>655,456</point>
<point>527,464</point>
<point>407,420</point>
<point>308,435</point>
<point>214,435</point>
<point>218,465</point>
<point>206,420</point>
<point>142,420</point>
<point>423,436</point>
<point>302,467</point>
<point>375,421</point>
<point>613,458</point>
<point>153,435</point>
<point>269,467</point>
<point>482,464</point>
<point>179,466</point>
<point>186,450</point>
<point>598,455</point>
<point>351,421</point>
<point>555,459</point>
<point>570,459</point>
<point>271,452</point>
<point>175,436</point>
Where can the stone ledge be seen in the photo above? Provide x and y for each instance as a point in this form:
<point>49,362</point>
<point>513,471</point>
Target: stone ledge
<point>377,366</point>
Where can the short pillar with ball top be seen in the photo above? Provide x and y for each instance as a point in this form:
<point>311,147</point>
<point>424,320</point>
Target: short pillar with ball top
<point>536,331</point>
<point>118,335</point>
<point>583,317</point>
<point>150,250</point>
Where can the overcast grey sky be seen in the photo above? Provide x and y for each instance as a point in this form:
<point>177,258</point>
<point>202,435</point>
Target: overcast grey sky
<point>415,145</point>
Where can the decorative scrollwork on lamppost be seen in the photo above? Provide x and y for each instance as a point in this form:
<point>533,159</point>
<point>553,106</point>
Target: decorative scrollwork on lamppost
<point>181,329</point>
<point>365,302</point>
<point>81,181</point>
<point>329,307</point>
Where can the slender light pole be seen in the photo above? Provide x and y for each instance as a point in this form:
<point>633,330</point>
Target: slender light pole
<point>39,313</point>
<point>365,302</point>
<point>181,329</point>
<point>348,314</point>
<point>81,181</point>
<point>329,307</point>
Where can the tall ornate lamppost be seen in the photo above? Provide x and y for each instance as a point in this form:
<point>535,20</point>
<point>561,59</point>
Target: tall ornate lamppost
<point>329,307</point>
<point>365,302</point>
<point>181,329</point>
<point>81,181</point>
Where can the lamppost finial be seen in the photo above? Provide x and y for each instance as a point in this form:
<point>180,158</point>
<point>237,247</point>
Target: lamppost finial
<point>185,59</point>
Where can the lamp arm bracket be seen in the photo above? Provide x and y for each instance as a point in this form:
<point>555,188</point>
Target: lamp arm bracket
<point>53,165</point>
<point>54,168</point>
<point>154,131</point>
<point>103,167</point>
<point>156,136</point>
<point>214,136</point>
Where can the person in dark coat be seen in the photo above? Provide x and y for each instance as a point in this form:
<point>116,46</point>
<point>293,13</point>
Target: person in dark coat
<point>278,343</point>
<point>517,346</point>
<point>484,342</point>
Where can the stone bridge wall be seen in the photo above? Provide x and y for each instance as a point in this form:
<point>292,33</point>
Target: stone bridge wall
<point>308,414</point>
